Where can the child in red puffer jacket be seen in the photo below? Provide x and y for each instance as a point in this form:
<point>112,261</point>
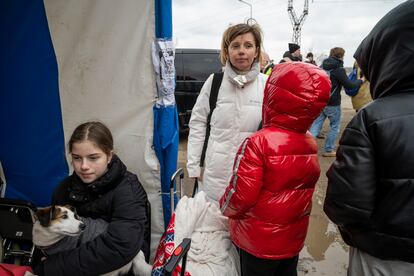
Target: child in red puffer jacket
<point>268,200</point>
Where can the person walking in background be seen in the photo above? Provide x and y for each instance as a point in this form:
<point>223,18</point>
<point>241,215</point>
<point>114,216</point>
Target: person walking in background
<point>370,194</point>
<point>294,50</point>
<point>363,95</point>
<point>309,58</point>
<point>334,66</point>
<point>286,57</point>
<point>269,68</point>
<point>293,54</point>
<point>264,61</point>
<point>237,113</point>
<point>266,66</point>
<point>268,200</point>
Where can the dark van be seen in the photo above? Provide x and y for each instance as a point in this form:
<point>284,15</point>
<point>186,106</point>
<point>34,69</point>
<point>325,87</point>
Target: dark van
<point>192,67</point>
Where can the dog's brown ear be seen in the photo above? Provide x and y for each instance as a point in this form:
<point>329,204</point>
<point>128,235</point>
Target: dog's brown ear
<point>70,207</point>
<point>44,215</point>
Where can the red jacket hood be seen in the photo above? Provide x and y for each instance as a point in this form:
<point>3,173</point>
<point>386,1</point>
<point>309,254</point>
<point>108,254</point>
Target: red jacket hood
<point>295,95</point>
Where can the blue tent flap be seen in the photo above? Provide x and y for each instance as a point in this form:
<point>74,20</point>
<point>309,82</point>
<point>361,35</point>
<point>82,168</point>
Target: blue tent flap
<point>166,149</point>
<point>32,152</point>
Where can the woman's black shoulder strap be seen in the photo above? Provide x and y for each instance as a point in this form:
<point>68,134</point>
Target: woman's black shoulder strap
<point>215,86</point>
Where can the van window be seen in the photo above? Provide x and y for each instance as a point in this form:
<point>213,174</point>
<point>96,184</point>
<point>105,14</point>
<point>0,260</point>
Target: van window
<point>200,66</point>
<point>192,68</point>
<point>178,63</point>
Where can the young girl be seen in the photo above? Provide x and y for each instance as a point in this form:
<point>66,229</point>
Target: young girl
<point>100,187</point>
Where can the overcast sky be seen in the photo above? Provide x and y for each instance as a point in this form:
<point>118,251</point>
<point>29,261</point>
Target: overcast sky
<point>330,23</point>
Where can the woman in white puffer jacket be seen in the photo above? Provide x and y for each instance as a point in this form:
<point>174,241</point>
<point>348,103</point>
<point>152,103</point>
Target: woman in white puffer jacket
<point>237,113</point>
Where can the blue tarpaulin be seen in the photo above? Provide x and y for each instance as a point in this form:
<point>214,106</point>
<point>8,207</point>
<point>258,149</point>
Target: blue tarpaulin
<point>166,149</point>
<point>32,150</point>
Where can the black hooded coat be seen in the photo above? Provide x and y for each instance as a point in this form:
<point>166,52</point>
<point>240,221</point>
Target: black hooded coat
<point>370,193</point>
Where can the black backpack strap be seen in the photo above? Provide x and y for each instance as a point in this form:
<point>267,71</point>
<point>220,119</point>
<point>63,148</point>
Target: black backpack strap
<point>215,86</point>
<point>260,125</point>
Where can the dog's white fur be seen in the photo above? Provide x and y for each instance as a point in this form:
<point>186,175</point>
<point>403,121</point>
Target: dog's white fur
<point>67,223</point>
<point>57,228</point>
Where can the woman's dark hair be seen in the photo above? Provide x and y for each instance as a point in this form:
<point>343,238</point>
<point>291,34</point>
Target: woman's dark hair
<point>96,132</point>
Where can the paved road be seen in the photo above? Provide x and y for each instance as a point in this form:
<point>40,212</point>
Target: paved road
<point>324,253</point>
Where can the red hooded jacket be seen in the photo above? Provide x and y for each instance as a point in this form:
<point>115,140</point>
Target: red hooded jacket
<point>275,171</point>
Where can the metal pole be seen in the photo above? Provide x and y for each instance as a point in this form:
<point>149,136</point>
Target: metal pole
<point>297,22</point>
<point>251,7</point>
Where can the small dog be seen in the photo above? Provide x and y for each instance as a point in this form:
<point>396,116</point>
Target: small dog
<point>59,228</point>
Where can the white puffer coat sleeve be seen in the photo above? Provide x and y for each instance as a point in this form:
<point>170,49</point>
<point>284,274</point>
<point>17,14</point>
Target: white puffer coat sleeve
<point>198,125</point>
<point>236,116</point>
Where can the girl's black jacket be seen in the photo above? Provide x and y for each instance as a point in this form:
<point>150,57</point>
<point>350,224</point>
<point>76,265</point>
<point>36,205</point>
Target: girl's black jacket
<point>117,197</point>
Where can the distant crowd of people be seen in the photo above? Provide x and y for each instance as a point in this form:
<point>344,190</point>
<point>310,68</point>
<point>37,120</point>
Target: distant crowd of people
<point>334,67</point>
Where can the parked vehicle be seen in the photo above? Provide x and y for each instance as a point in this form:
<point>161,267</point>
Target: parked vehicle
<point>192,67</point>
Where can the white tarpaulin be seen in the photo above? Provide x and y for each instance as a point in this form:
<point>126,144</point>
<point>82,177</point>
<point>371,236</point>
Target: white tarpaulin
<point>103,50</point>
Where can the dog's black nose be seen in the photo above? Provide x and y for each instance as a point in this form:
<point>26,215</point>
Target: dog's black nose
<point>82,226</point>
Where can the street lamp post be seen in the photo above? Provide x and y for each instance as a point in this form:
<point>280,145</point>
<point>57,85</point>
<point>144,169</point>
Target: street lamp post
<point>251,8</point>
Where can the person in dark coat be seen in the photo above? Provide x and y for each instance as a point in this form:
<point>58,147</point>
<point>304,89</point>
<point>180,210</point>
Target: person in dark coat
<point>309,58</point>
<point>370,194</point>
<point>293,54</point>
<point>100,187</point>
<point>334,66</point>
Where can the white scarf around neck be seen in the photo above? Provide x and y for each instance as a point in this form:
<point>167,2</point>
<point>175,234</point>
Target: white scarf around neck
<point>241,79</point>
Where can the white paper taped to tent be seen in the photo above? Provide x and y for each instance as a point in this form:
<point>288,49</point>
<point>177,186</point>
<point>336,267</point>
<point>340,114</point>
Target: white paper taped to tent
<point>103,50</point>
<point>163,60</point>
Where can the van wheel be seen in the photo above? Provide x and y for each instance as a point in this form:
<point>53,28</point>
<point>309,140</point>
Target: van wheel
<point>17,260</point>
<point>183,129</point>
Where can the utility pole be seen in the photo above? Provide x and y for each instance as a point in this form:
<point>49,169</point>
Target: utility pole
<point>250,20</point>
<point>297,23</point>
